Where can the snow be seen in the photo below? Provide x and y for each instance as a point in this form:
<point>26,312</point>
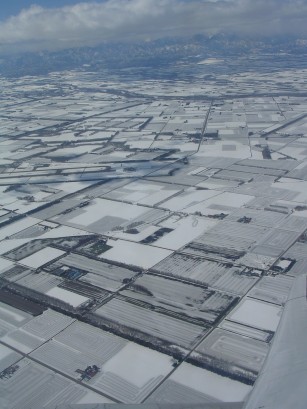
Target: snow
<point>5,264</point>
<point>17,227</point>
<point>67,296</point>
<point>185,230</point>
<point>102,207</point>
<point>296,186</point>
<point>232,199</point>
<point>283,264</point>
<point>139,144</point>
<point>157,197</point>
<point>4,352</point>
<point>211,384</point>
<point>134,253</point>
<point>226,132</point>
<point>148,193</point>
<point>14,315</point>
<point>72,151</point>
<point>72,187</point>
<point>147,231</point>
<point>39,196</point>
<point>227,199</point>
<point>42,257</point>
<point>257,314</point>
<point>21,206</point>
<point>92,397</point>
<point>189,198</point>
<point>5,162</point>
<point>63,231</point>
<point>138,365</point>
<point>216,149</point>
<point>49,224</point>
<point>22,347</point>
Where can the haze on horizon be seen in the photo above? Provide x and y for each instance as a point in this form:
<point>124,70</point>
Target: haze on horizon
<point>47,25</point>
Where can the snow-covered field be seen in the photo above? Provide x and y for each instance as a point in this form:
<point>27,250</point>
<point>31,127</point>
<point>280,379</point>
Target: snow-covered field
<point>5,264</point>
<point>42,257</point>
<point>13,315</point>
<point>257,314</point>
<point>133,373</point>
<point>16,227</point>
<point>185,230</point>
<point>189,198</point>
<point>67,296</point>
<point>7,358</point>
<point>211,384</point>
<point>102,208</point>
<point>147,193</point>
<point>100,274</point>
<point>237,352</point>
<point>192,384</point>
<point>178,223</point>
<point>128,372</point>
<point>245,330</point>
<point>36,331</point>
<point>136,254</point>
<point>156,324</point>
<point>185,299</point>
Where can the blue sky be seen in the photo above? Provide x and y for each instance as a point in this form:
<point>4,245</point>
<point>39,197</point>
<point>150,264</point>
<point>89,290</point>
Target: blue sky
<point>39,25</point>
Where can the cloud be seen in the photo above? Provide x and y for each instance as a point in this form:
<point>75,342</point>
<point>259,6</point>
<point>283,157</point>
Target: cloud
<point>38,28</point>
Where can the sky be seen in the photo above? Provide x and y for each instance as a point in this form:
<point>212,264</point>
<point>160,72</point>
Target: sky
<point>58,24</point>
<point>13,7</point>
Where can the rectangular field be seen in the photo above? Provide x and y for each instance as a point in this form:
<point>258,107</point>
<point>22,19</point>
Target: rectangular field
<point>185,300</point>
<point>41,257</point>
<point>37,331</point>
<point>272,289</point>
<point>234,350</point>
<point>154,324</point>
<point>135,254</point>
<point>100,273</point>
<point>192,268</point>
<point>257,314</point>
<point>192,384</point>
<point>246,330</point>
<point>39,387</point>
<point>127,372</point>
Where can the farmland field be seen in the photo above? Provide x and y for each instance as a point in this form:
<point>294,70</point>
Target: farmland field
<point>184,299</point>
<point>157,325</point>
<point>205,384</point>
